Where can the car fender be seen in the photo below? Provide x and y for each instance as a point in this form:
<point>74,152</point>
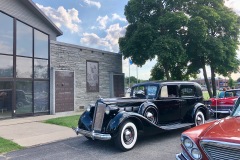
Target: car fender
<point>144,105</point>
<point>140,121</point>
<point>200,106</point>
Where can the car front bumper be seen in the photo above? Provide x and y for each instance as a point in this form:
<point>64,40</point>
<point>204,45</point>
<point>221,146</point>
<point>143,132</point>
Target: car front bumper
<point>180,156</point>
<point>92,134</point>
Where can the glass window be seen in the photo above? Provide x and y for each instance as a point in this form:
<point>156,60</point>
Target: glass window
<point>40,44</point>
<point>41,99</point>
<point>6,66</point>
<point>23,97</point>
<point>24,67</point>
<point>164,91</point>
<point>5,99</point>
<point>40,68</point>
<point>151,91</point>
<point>24,40</point>
<point>169,91</point>
<point>187,91</point>
<point>6,34</point>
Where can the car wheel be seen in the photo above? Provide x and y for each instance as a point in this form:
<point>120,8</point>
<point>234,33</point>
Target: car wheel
<point>19,105</point>
<point>199,118</point>
<point>127,136</point>
<point>151,114</point>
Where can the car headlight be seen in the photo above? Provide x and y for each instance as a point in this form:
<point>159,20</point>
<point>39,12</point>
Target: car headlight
<point>191,147</point>
<point>89,107</point>
<point>188,143</point>
<point>107,110</point>
<point>196,154</point>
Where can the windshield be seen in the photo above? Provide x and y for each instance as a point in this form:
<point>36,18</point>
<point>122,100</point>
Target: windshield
<point>236,110</point>
<point>149,91</point>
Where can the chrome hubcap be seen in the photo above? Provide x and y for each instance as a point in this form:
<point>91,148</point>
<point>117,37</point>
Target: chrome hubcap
<point>199,120</point>
<point>128,135</point>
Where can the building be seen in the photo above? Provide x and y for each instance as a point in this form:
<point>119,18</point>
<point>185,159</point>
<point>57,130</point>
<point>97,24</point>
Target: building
<point>220,83</point>
<point>39,75</point>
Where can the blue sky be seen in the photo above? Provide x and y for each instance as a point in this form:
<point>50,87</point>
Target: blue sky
<point>97,24</point>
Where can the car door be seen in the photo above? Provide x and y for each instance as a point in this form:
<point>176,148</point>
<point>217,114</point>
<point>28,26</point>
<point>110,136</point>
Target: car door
<point>188,99</point>
<point>169,104</point>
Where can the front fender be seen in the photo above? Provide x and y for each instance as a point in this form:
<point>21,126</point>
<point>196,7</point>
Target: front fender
<point>144,105</point>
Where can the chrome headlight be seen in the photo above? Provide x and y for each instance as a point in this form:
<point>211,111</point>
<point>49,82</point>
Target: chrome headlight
<point>187,143</point>
<point>89,107</point>
<point>191,147</point>
<point>107,110</point>
<point>196,154</point>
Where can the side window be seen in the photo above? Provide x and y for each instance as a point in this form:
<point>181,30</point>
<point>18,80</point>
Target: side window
<point>187,91</point>
<point>169,91</point>
<point>164,91</point>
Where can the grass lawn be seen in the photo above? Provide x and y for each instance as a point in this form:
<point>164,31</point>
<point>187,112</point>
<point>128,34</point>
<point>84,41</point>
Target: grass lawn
<point>69,121</point>
<point>205,95</point>
<point>7,146</point>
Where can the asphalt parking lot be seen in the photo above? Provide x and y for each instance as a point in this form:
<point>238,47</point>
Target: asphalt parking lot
<point>161,146</point>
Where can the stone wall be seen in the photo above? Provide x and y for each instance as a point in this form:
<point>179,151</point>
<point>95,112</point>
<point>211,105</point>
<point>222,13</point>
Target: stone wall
<point>73,58</point>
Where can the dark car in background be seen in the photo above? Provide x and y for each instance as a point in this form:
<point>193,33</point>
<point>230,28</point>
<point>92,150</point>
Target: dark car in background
<point>152,107</point>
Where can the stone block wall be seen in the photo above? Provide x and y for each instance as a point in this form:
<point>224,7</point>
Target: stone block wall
<point>73,58</point>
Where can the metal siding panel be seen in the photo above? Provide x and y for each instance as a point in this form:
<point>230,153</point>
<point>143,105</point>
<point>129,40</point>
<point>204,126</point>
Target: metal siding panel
<point>18,10</point>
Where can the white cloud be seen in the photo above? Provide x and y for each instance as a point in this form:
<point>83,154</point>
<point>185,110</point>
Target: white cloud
<point>102,21</point>
<point>93,3</point>
<point>117,17</point>
<point>109,42</point>
<point>62,17</point>
<point>234,4</point>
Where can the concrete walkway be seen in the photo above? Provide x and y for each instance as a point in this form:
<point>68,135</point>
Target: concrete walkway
<point>30,131</point>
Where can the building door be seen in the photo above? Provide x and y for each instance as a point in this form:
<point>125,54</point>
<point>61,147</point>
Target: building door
<point>64,91</point>
<point>118,85</point>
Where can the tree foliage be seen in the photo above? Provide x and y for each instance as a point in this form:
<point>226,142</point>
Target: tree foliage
<point>184,35</point>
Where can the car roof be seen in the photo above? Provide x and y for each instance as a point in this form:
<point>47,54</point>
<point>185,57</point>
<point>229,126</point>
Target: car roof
<point>164,83</point>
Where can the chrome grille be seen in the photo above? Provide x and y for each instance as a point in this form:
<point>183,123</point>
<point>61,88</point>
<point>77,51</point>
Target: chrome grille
<point>217,150</point>
<point>98,116</point>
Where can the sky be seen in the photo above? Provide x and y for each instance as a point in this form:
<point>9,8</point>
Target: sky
<point>99,24</point>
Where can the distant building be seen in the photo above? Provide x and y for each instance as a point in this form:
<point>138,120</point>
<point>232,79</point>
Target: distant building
<point>220,83</point>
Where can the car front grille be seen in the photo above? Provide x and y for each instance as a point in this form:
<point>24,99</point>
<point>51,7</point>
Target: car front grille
<point>98,117</point>
<point>217,150</point>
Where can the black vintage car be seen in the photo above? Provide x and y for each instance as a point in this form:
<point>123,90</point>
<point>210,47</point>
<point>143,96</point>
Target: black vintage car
<point>152,107</point>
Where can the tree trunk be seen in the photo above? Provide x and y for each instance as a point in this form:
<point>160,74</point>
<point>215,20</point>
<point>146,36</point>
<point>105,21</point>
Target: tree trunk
<point>206,81</point>
<point>167,73</point>
<point>213,81</point>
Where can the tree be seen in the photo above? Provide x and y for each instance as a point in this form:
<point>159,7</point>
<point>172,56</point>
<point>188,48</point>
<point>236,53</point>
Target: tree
<point>213,31</point>
<point>231,82</point>
<point>156,29</point>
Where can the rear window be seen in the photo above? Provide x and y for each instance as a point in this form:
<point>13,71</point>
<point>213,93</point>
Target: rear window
<point>187,91</point>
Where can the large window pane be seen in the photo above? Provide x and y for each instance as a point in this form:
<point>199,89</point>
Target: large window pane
<point>24,67</point>
<point>6,66</point>
<point>24,39</point>
<point>40,68</point>
<point>41,96</point>
<point>23,97</point>
<point>5,99</point>
<point>6,34</point>
<point>40,44</point>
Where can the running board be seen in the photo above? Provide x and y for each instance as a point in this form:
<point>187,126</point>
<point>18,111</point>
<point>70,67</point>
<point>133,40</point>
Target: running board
<point>176,126</point>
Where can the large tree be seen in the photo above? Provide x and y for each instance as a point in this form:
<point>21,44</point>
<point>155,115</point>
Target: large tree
<point>156,29</point>
<point>213,31</point>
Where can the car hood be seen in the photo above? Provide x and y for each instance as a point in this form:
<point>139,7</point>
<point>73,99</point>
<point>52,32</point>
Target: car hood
<point>226,129</point>
<point>122,100</point>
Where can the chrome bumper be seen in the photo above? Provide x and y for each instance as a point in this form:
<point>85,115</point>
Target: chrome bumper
<point>92,134</point>
<point>180,157</point>
<point>220,111</point>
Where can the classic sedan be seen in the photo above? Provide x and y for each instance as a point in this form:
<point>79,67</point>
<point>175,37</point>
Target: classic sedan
<point>152,107</point>
<point>225,102</point>
<point>218,139</point>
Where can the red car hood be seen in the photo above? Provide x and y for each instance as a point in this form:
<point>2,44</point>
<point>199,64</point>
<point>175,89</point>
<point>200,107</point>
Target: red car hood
<point>228,130</point>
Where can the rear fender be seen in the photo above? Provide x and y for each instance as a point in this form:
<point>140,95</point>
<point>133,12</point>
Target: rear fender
<point>201,107</point>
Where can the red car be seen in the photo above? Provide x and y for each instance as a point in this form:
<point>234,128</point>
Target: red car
<point>224,102</point>
<point>219,139</point>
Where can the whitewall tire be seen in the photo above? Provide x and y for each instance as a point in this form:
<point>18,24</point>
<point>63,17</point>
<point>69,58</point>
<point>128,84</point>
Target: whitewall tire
<point>127,136</point>
<point>199,118</point>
